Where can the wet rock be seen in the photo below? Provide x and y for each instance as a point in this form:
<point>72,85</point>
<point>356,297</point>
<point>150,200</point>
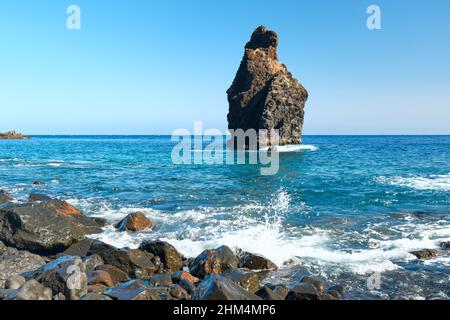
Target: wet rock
<point>169,256</point>
<point>425,253</point>
<point>336,291</point>
<point>327,296</point>
<point>134,262</point>
<point>178,292</point>
<point>162,279</point>
<point>217,287</point>
<point>92,262</point>
<point>256,262</point>
<point>38,183</point>
<point>59,297</point>
<point>136,290</point>
<point>31,290</point>
<point>264,94</point>
<point>97,288</point>
<point>95,296</point>
<point>5,197</point>
<point>5,292</point>
<point>64,275</point>
<point>14,262</point>
<point>445,245</point>
<point>272,292</point>
<point>101,222</point>
<point>185,280</point>
<point>214,261</point>
<point>100,277</point>
<point>15,282</point>
<point>115,273</point>
<point>136,221</point>
<point>316,282</point>
<point>33,197</point>
<point>79,248</point>
<point>245,278</point>
<point>303,291</point>
<point>44,227</point>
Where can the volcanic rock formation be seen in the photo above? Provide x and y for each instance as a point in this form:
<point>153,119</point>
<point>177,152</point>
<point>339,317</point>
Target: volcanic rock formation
<point>264,94</point>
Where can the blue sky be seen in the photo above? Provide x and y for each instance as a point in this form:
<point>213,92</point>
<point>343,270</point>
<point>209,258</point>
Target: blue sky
<point>149,67</point>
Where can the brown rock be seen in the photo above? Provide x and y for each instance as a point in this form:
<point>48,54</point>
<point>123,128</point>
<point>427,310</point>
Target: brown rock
<point>134,222</point>
<point>214,261</point>
<point>4,197</point>
<point>100,277</point>
<point>425,253</point>
<point>170,257</point>
<point>12,135</point>
<point>115,273</point>
<point>264,94</point>
<point>97,288</point>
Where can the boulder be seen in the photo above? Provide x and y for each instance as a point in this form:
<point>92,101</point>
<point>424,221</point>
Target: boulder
<point>97,288</point>
<point>214,261</point>
<point>31,290</point>
<point>185,280</point>
<point>170,257</point>
<point>64,275</point>
<point>316,282</point>
<point>178,292</point>
<point>15,282</point>
<point>5,197</point>
<point>337,291</point>
<point>95,296</point>
<point>245,278</point>
<point>137,290</point>
<point>136,221</point>
<point>115,273</point>
<point>44,227</point>
<point>100,277</point>
<point>273,292</point>
<point>33,197</point>
<point>445,245</point>
<point>256,262</point>
<point>425,253</point>
<point>264,94</point>
<point>92,262</point>
<point>303,291</point>
<point>161,279</point>
<point>217,287</point>
<point>14,262</point>
<point>133,262</point>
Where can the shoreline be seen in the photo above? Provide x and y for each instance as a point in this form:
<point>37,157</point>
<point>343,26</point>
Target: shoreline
<point>155,267</point>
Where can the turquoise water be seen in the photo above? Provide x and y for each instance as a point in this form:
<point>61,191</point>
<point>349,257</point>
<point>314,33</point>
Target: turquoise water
<point>343,208</point>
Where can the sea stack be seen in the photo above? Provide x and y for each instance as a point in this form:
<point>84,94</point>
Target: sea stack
<point>264,94</point>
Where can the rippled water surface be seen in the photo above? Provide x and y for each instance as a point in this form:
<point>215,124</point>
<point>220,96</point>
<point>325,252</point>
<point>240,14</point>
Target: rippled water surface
<point>343,207</point>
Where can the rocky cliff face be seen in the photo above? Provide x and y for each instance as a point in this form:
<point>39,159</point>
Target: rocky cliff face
<point>264,94</point>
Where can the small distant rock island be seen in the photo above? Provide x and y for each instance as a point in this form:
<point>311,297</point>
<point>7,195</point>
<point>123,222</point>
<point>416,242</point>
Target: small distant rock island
<point>12,135</point>
<point>264,94</point>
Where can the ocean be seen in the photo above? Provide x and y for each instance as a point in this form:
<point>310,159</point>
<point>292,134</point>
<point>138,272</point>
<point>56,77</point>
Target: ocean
<point>346,208</point>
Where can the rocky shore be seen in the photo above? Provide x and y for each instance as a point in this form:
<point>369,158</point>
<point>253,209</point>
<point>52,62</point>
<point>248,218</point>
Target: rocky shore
<point>12,135</point>
<point>46,254</point>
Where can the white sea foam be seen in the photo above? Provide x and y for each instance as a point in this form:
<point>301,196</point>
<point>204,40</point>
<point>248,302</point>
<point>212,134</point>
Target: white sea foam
<point>195,230</point>
<point>432,182</point>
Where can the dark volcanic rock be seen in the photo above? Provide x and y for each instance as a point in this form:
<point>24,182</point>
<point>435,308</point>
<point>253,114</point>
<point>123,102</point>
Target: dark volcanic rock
<point>45,227</point>
<point>445,245</point>
<point>95,296</point>
<point>64,275</point>
<point>217,287</point>
<point>316,282</point>
<point>170,257</point>
<point>336,291</point>
<point>38,197</point>
<point>137,290</point>
<point>14,262</point>
<point>115,273</point>
<point>272,292</point>
<point>245,278</point>
<point>256,262</point>
<point>303,291</point>
<point>133,262</point>
<point>214,261</point>
<point>136,221</point>
<point>425,253</point>
<point>4,197</point>
<point>264,94</point>
<point>100,277</point>
<point>31,290</point>
<point>12,135</point>
<point>92,262</point>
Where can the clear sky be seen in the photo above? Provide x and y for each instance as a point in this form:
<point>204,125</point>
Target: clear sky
<point>151,66</point>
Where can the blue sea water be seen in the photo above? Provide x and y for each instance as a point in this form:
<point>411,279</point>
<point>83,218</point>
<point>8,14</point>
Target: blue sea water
<point>345,208</point>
